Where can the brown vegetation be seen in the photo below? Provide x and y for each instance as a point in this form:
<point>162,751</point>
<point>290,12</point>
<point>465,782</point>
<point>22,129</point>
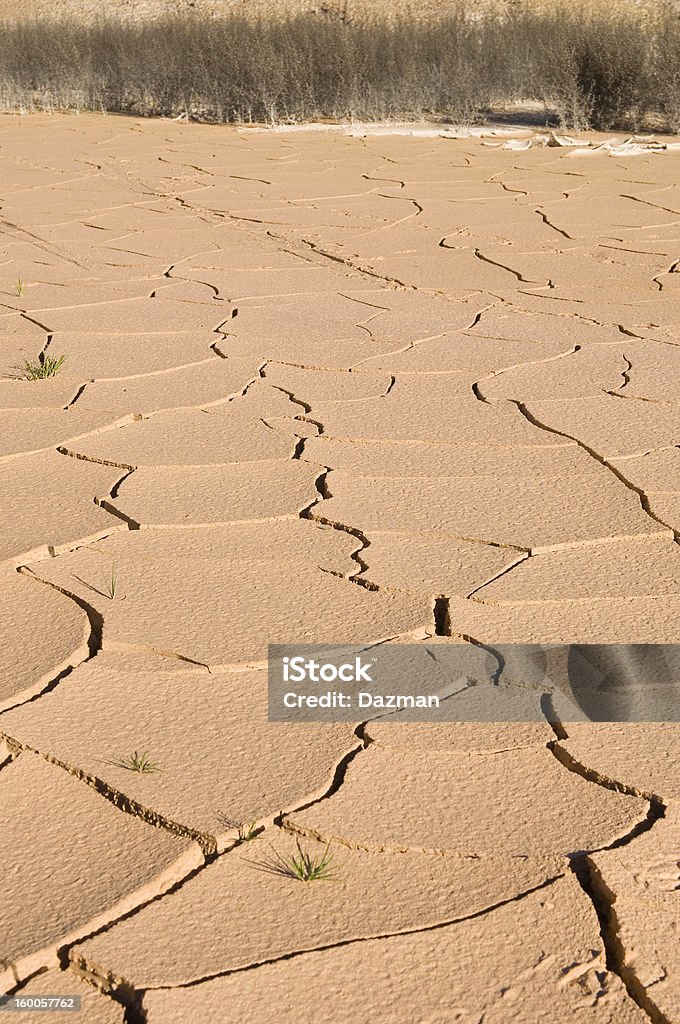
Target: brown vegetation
<point>599,67</point>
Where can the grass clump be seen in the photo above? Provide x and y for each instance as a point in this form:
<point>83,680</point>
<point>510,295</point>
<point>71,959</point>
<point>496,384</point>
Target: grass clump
<point>20,286</point>
<point>246,830</point>
<point>303,865</point>
<point>46,366</point>
<point>604,65</point>
<point>138,762</point>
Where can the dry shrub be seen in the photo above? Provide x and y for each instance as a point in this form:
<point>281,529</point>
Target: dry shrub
<point>665,78</point>
<point>600,67</point>
<point>593,64</point>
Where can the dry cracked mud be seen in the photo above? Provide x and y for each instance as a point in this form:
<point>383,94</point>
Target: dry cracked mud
<point>331,387</point>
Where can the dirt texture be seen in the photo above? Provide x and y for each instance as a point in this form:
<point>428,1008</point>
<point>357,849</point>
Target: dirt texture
<point>148,10</point>
<point>319,386</point>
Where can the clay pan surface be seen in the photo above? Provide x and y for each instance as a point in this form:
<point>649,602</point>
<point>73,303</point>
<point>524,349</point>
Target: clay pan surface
<point>326,388</point>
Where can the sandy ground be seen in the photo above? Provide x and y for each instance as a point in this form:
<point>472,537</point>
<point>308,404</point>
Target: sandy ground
<point>354,10</point>
<point>298,363</point>
<point>139,10</point>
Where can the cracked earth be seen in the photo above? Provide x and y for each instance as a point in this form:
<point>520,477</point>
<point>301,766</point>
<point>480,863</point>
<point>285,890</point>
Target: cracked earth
<point>328,388</point>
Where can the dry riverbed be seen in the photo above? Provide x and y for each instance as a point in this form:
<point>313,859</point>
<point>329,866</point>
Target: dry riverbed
<point>312,382</point>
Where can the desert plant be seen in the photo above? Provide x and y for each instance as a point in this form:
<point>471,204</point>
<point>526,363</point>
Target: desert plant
<point>20,286</point>
<point>592,64</point>
<point>246,830</point>
<point>607,65</point>
<point>562,88</point>
<point>112,584</point>
<point>666,64</point>
<point>303,865</point>
<point>46,366</point>
<point>139,762</point>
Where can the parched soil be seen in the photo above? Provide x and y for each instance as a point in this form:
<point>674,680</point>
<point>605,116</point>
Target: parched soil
<point>140,10</point>
<point>352,10</point>
<point>331,387</point>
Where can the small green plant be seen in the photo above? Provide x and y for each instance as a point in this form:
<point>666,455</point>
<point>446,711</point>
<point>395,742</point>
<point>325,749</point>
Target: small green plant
<point>112,584</point>
<point>139,762</point>
<point>20,286</point>
<point>303,865</point>
<point>46,366</point>
<point>247,830</point>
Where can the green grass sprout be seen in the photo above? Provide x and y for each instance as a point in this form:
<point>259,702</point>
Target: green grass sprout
<point>112,584</point>
<point>139,762</point>
<point>246,830</point>
<point>46,366</point>
<point>303,865</point>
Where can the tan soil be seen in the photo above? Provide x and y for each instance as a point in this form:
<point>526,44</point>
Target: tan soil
<point>287,411</point>
<point>140,10</point>
<point>508,966</point>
